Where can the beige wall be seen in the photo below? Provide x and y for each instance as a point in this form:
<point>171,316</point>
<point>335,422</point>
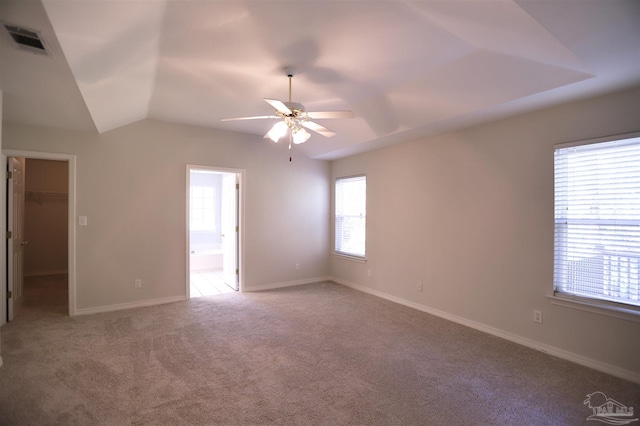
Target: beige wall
<point>45,217</point>
<point>131,186</point>
<point>470,213</point>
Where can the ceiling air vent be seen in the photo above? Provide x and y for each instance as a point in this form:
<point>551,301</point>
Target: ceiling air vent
<point>28,40</point>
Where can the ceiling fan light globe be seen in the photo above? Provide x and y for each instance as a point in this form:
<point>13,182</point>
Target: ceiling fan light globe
<point>301,136</point>
<point>277,131</point>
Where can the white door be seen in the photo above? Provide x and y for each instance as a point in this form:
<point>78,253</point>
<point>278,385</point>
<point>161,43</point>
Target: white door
<point>229,224</point>
<point>15,225</point>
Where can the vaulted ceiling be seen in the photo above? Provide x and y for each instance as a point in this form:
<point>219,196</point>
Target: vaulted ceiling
<point>407,69</point>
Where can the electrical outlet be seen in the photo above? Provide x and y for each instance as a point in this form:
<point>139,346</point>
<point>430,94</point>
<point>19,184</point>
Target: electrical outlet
<point>297,266</point>
<point>537,316</point>
<point>419,286</point>
<point>369,273</point>
<point>137,283</point>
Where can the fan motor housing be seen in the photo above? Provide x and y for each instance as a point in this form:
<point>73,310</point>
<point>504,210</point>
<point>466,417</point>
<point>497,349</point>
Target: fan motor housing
<point>295,107</point>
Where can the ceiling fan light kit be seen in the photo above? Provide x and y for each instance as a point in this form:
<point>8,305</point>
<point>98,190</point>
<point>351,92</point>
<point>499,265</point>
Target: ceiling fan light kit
<point>295,120</point>
<point>277,131</point>
<point>300,135</point>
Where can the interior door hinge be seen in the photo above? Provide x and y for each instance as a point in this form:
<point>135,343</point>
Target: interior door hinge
<point>9,174</point>
<point>9,295</point>
<point>237,229</point>
<point>237,272</point>
<point>9,235</point>
<point>237,186</point>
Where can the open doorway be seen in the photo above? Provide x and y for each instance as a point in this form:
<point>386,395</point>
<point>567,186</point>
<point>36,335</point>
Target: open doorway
<point>213,231</point>
<point>40,239</point>
<point>46,209</point>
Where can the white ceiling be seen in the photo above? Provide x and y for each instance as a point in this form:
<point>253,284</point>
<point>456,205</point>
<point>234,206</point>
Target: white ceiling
<point>406,68</point>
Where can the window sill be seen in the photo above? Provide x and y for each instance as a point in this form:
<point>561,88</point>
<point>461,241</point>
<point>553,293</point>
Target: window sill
<point>602,308</point>
<point>352,258</point>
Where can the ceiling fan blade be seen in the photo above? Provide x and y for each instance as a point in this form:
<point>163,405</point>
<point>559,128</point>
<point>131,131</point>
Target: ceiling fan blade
<point>331,114</point>
<point>257,117</point>
<point>279,106</point>
<point>318,128</point>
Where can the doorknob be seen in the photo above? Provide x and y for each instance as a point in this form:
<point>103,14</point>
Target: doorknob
<point>24,243</point>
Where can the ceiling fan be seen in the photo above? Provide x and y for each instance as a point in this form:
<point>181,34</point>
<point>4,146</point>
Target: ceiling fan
<point>294,119</point>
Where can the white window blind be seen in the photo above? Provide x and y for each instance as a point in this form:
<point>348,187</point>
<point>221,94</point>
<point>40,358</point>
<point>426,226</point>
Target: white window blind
<point>351,215</point>
<point>597,221</point>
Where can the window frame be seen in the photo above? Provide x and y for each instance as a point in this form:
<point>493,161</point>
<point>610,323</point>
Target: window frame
<point>345,254</point>
<point>618,309</point>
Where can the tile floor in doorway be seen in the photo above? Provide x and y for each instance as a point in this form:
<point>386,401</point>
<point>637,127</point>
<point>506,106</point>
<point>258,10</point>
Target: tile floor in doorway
<point>208,283</point>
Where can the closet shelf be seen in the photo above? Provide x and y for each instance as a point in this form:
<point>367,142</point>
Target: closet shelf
<point>40,197</point>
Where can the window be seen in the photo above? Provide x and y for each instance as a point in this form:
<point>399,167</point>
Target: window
<point>597,220</point>
<point>202,208</point>
<point>351,216</point>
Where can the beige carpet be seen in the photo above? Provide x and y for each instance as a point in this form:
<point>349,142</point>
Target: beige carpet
<point>319,354</point>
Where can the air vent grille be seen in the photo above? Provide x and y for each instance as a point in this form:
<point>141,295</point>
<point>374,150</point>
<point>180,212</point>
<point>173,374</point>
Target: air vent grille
<point>27,39</point>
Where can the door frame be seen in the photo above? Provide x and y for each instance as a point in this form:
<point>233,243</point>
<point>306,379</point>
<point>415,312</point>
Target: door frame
<point>71,213</point>
<point>241,174</point>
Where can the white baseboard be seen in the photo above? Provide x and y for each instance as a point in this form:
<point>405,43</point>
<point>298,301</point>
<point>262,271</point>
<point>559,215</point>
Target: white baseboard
<point>130,305</point>
<point>551,350</point>
<point>144,303</point>
<point>286,284</point>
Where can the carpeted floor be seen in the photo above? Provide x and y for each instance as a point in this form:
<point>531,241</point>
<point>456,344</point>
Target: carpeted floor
<point>319,354</point>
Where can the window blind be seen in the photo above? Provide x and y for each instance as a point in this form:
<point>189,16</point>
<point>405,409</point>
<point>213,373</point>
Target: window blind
<point>351,215</point>
<point>597,221</point>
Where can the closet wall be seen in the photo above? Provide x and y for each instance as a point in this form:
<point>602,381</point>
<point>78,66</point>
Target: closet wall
<point>45,221</point>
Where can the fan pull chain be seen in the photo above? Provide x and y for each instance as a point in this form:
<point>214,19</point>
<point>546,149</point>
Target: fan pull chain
<point>290,137</point>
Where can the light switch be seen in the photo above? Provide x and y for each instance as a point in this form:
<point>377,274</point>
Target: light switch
<point>82,221</point>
